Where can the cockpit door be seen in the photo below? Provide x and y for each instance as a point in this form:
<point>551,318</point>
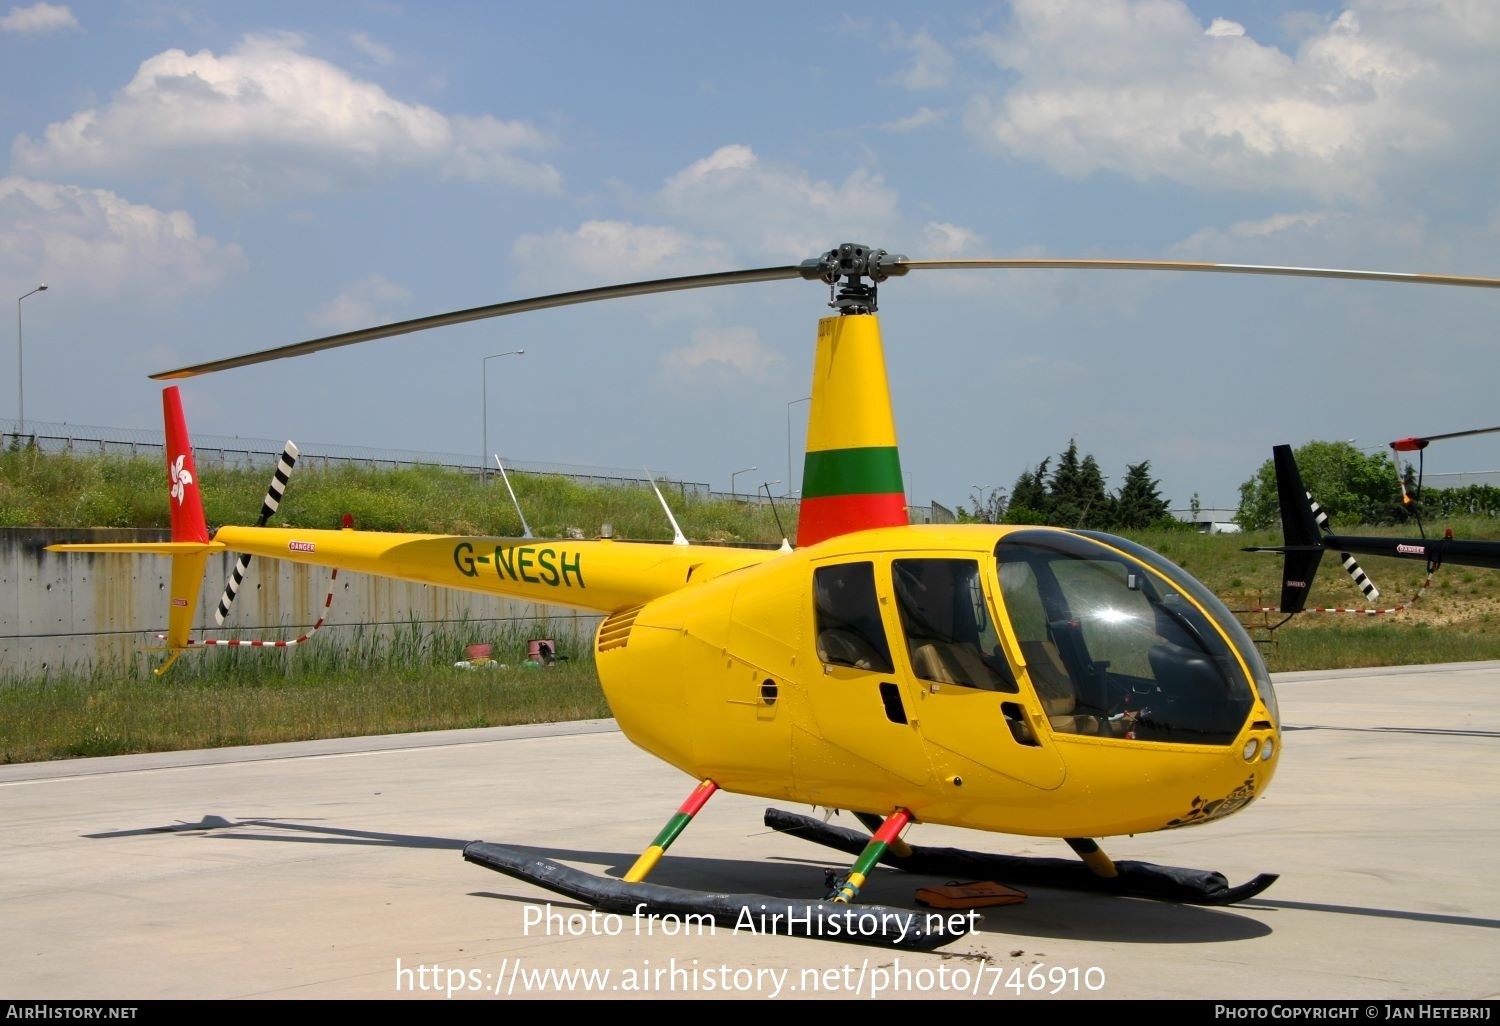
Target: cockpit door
<point>968,705</point>
<point>860,704</point>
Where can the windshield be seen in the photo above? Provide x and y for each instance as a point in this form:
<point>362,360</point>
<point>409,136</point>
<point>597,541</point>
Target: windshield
<point>1117,644</point>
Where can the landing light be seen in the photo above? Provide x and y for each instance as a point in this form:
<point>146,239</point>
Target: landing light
<point>1251,748</point>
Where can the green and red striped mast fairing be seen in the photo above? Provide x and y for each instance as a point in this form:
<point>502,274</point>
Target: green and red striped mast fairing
<point>851,478</point>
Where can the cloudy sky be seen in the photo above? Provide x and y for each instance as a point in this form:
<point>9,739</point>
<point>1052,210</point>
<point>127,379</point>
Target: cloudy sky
<point>201,180</point>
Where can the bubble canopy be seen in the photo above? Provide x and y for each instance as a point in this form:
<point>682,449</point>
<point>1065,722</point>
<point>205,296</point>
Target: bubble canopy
<point>1143,645</point>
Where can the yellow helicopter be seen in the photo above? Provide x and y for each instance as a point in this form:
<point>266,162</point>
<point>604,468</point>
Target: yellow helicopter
<point>1033,681</point>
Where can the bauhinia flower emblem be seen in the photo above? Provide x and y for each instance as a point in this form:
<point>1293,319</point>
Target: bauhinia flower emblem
<point>180,479</point>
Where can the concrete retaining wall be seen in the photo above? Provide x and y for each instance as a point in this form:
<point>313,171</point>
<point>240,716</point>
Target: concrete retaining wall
<point>69,611</point>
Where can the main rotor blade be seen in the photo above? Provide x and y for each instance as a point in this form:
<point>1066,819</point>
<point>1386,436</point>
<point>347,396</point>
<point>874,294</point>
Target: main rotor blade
<point>1179,265</point>
<point>809,270</point>
<point>348,338</point>
<point>1418,442</point>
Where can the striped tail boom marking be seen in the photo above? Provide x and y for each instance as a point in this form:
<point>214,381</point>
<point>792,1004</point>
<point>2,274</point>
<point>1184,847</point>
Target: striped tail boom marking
<point>268,508</point>
<point>851,478</point>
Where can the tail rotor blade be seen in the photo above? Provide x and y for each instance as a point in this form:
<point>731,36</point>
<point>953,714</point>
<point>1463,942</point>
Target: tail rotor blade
<point>278,483</point>
<point>267,510</point>
<point>1351,565</point>
<point>1361,579</point>
<point>231,589</point>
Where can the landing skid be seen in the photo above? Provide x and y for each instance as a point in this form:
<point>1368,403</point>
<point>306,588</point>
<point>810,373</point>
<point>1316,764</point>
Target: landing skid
<point>749,913</point>
<point>1134,879</point>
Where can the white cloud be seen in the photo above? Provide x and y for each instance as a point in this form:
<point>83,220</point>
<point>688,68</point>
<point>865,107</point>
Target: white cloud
<point>1326,237</point>
<point>94,243</point>
<point>730,210</point>
<point>266,117</point>
<point>1146,90</point>
<point>609,252</point>
<point>1277,225</point>
<point>484,149</point>
<point>363,304</point>
<point>376,51</point>
<point>945,241</point>
<point>727,211</point>
<point>931,64</point>
<point>921,118</point>
<point>38,18</point>
<point>776,209</point>
<point>730,356</point>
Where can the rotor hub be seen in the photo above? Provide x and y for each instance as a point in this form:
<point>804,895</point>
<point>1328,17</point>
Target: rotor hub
<point>846,269</point>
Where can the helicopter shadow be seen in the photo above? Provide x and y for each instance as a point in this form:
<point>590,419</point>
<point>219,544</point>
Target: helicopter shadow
<point>1048,913</point>
<point>301,833</point>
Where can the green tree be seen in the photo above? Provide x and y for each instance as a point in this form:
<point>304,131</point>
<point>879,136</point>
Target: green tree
<point>1139,502</point>
<point>988,507</point>
<point>1076,491</point>
<point>1029,502</point>
<point>1351,487</point>
<point>1065,499</point>
<point>1099,506</point>
<point>1467,500</point>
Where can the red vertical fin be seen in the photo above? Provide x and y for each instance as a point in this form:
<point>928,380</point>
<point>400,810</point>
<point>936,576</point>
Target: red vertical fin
<point>188,524</point>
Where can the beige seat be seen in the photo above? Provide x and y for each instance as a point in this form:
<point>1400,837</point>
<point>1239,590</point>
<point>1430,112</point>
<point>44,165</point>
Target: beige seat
<point>929,665</point>
<point>839,647</point>
<point>1055,689</point>
<point>951,663</point>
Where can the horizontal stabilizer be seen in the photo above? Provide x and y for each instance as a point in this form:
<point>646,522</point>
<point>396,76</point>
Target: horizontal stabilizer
<point>167,548</point>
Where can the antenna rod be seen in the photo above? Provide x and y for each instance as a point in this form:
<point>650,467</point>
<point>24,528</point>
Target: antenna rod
<point>525,529</point>
<point>774,512</point>
<point>678,538</point>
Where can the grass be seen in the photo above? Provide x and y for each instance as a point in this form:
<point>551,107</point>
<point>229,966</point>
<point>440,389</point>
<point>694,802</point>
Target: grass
<point>63,490</point>
<point>404,683</point>
<point>408,683</point>
<point>90,717</point>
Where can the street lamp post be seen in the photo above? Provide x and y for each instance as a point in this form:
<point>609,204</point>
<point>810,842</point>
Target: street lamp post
<point>484,411</point>
<point>20,374</point>
<point>789,406</point>
<point>737,473</point>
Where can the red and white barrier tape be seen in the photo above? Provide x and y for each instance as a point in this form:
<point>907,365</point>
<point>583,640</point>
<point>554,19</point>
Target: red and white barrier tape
<point>1356,611</point>
<point>284,643</point>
